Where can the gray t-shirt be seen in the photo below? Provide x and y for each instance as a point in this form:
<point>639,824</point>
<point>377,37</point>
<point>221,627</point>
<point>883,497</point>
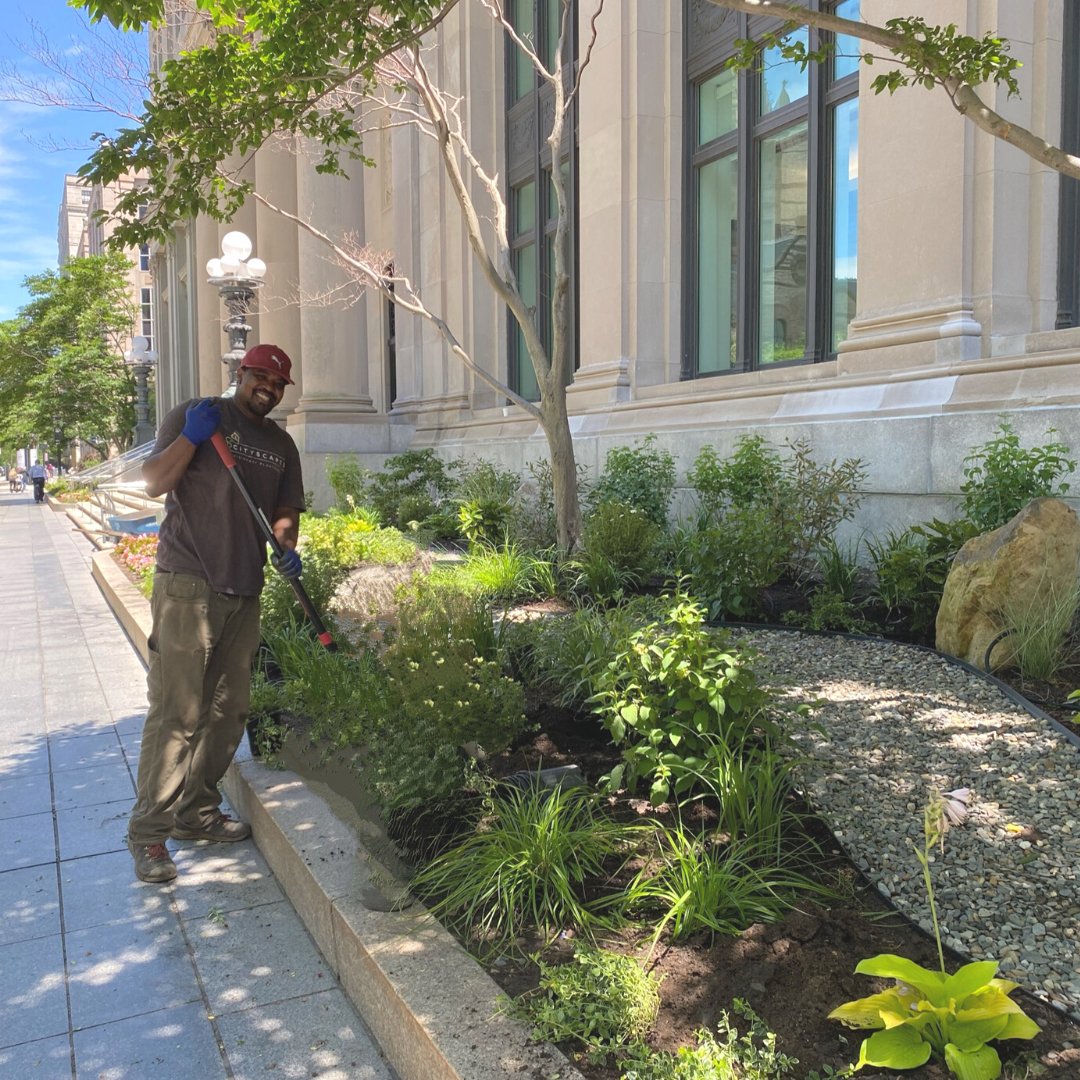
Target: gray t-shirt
<point>208,529</point>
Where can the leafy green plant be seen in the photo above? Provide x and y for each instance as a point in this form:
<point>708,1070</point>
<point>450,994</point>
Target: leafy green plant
<point>927,1012</point>
<point>705,885</point>
<point>830,611</point>
<point>620,547</point>
<point>640,476</point>
<point>724,1056</point>
<point>485,496</point>
<point>669,692</point>
<point>1001,477</point>
<point>412,486</point>
<point>527,864</point>
<point>601,1000</point>
<point>346,477</point>
<point>761,516</point>
<point>503,573</point>
<point>838,568</point>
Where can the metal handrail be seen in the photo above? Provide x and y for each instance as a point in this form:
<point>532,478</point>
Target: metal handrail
<point>114,468</point>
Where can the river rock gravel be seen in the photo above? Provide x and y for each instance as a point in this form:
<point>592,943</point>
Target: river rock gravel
<point>892,722</point>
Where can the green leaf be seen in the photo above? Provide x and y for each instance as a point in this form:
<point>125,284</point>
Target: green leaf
<point>890,966</point>
<point>981,1064</point>
<point>896,1048</point>
<point>969,978</point>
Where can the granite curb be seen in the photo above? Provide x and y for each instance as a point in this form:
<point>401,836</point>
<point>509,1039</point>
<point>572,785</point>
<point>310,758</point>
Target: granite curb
<point>432,1008</point>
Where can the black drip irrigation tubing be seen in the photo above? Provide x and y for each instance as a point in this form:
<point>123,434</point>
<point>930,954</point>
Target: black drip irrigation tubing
<point>1008,691</point>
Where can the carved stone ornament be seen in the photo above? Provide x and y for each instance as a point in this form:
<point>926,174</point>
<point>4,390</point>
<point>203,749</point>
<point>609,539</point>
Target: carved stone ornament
<point>706,18</point>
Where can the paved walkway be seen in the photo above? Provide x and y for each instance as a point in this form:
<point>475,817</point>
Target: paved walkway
<point>102,977</point>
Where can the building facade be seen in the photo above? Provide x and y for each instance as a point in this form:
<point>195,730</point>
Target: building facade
<point>779,252</point>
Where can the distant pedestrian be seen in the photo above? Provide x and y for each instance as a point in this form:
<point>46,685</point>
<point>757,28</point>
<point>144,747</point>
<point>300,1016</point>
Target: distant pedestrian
<point>205,603</point>
<point>37,478</point>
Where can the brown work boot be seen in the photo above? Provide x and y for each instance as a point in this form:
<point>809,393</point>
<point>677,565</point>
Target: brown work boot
<point>153,863</point>
<point>221,829</point>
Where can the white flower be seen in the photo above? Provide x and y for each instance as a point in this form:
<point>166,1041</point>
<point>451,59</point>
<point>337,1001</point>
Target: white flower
<point>954,805</point>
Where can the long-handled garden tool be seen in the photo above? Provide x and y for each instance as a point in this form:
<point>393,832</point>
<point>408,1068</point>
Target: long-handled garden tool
<point>314,618</point>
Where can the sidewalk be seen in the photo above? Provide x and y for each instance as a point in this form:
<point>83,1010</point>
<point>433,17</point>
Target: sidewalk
<point>102,976</point>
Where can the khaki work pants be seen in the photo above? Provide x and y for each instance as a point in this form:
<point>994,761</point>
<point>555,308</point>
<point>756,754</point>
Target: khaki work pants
<point>199,684</point>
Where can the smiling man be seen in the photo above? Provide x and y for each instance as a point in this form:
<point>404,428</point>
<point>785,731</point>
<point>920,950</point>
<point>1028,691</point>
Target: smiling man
<point>205,603</point>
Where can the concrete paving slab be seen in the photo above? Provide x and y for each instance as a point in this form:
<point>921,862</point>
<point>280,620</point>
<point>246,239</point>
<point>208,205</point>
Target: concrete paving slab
<point>130,723</point>
<point>25,754</point>
<point>83,751</point>
<point>103,889</point>
<point>109,782</point>
<point>93,830</point>
<point>256,956</point>
<point>118,970</point>
<point>221,877</point>
<point>27,841</point>
<point>318,1035</point>
<point>24,795</point>
<point>29,904</point>
<point>33,1004</point>
<point>47,1059</point>
<point>171,1044</point>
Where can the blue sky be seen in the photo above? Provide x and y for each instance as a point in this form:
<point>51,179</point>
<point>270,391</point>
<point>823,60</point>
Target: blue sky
<point>39,144</point>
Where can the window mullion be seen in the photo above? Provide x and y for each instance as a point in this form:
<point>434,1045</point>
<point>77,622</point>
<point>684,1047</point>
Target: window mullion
<point>817,209</point>
<point>746,335</point>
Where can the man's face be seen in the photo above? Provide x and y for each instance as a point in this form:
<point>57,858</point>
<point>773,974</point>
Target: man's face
<point>259,391</point>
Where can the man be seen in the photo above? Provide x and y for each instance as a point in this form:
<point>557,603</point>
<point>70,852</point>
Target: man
<point>205,603</point>
<point>37,477</point>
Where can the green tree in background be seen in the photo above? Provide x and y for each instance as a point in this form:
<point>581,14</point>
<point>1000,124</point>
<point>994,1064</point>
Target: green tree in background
<point>62,371</point>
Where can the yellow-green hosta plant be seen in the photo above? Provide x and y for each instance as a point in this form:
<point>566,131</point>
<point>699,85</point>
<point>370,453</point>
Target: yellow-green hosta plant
<point>929,1012</point>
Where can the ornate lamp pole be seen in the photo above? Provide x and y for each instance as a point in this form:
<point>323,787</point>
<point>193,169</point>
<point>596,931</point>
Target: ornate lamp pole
<point>141,361</point>
<point>236,276</point>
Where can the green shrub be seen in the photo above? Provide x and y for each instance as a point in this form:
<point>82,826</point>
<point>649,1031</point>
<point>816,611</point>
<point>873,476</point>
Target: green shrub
<point>322,574</point>
<point>601,1000</point>
<point>527,864</point>
<point>532,523</point>
<point>486,496</point>
<point>346,477</point>
<point>762,516</point>
<point>411,487</point>
<point>503,573</point>
<point>339,692</point>
<point>565,656</point>
<point>830,611</point>
<point>732,1056</point>
<point>625,536</point>
<point>1041,632</point>
<point>670,693</point>
<point>1001,477</point>
<point>639,476</point>
<point>442,611</point>
<point>910,569</point>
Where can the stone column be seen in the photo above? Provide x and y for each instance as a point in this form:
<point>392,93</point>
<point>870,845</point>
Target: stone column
<point>630,107</point>
<point>277,244</point>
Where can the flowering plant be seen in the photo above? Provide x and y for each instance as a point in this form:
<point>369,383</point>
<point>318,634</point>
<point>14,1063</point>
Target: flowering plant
<point>138,553</point>
<point>930,1011</point>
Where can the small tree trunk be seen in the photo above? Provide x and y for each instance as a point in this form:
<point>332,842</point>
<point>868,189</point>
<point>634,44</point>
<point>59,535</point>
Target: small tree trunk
<point>556,426</point>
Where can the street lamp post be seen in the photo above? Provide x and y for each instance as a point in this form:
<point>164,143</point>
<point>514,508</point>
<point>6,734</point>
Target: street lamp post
<point>141,361</point>
<point>236,276</point>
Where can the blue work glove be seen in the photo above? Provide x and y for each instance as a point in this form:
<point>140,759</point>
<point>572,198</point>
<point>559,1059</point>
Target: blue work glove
<point>201,421</point>
<point>288,564</point>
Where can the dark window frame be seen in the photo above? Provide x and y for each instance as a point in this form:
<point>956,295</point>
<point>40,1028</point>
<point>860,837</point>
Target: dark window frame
<point>819,108</point>
<point>530,160</point>
<point>1068,313</point>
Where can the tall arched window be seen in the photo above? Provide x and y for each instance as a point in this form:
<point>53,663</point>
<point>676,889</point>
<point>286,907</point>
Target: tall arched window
<point>772,197</point>
<point>532,210</point>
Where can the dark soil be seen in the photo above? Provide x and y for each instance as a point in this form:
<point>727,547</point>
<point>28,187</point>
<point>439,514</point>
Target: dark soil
<point>792,972</point>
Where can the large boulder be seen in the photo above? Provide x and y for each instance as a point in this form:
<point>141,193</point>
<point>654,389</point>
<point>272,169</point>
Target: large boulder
<point>1032,559</point>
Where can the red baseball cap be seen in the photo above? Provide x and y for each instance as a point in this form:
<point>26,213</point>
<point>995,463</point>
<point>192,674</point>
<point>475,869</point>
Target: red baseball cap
<point>269,358</point>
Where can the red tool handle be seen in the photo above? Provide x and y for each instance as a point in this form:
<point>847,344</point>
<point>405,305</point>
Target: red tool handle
<point>227,459</point>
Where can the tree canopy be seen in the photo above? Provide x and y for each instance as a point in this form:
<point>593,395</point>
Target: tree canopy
<point>254,68</point>
<point>61,362</point>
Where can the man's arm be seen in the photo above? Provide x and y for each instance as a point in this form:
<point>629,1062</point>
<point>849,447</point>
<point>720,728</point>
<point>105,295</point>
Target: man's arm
<point>286,526</point>
<point>162,471</point>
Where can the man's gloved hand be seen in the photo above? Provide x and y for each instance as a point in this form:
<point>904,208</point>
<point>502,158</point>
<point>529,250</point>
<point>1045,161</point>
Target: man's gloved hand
<point>288,564</point>
<point>201,421</point>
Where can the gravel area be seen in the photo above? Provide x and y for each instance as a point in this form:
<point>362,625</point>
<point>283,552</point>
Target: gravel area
<point>894,722</point>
